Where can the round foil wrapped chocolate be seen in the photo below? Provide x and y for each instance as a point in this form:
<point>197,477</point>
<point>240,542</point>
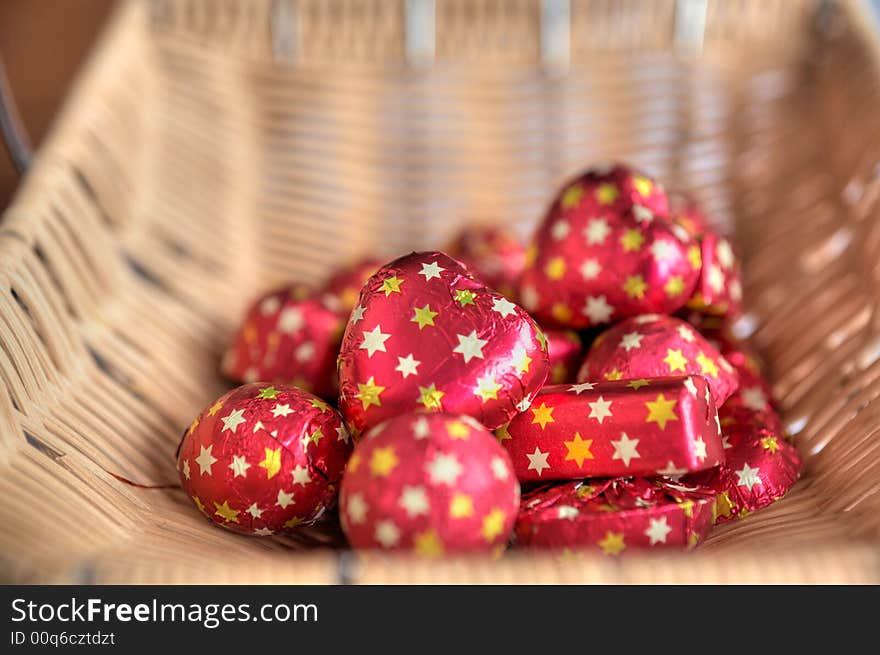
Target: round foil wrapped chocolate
<point>605,429</point>
<point>760,468</point>
<point>264,459</point>
<point>657,346</point>
<point>615,515</point>
<point>288,335</point>
<point>603,253</point>
<point>343,288</point>
<point>566,352</point>
<point>492,255</point>
<point>429,483</point>
<point>427,335</point>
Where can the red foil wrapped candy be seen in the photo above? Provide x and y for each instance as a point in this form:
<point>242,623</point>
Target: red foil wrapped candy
<point>429,483</point>
<point>719,289</point>
<point>566,352</point>
<point>343,288</point>
<point>657,346</point>
<point>606,429</point>
<point>606,251</point>
<point>426,335</point>
<point>288,335</point>
<point>760,468</point>
<point>264,459</point>
<point>492,254</point>
<point>615,515</point>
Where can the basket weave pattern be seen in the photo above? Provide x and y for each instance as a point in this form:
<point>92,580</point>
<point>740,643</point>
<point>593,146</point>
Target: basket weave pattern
<point>213,148</point>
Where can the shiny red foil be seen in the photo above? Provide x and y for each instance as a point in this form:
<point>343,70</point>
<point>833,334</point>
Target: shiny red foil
<point>606,251</point>
<point>288,335</point>
<point>492,255</point>
<point>760,468</point>
<point>566,352</point>
<point>264,458</point>
<point>719,289</point>
<point>607,429</point>
<point>427,335</point>
<point>657,346</point>
<point>615,516</point>
<point>341,291</point>
<point>429,483</point>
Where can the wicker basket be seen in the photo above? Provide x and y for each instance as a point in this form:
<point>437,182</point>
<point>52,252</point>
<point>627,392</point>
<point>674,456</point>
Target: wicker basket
<point>214,147</point>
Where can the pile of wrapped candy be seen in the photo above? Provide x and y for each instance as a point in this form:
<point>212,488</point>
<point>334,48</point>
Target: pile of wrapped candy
<point>595,368</point>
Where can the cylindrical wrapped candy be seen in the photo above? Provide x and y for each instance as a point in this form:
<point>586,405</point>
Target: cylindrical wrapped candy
<point>427,335</point>
<point>288,335</point>
<point>341,291</point>
<point>615,515</point>
<point>606,429</point>
<point>429,483</point>
<point>264,458</point>
<point>493,255</point>
<point>657,346</point>
<point>565,351</point>
<point>760,468</point>
<point>606,251</point>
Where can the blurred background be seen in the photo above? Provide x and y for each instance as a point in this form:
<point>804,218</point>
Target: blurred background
<point>42,43</point>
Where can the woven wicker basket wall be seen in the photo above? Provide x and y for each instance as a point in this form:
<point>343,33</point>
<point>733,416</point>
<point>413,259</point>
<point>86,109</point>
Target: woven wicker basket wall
<point>214,147</point>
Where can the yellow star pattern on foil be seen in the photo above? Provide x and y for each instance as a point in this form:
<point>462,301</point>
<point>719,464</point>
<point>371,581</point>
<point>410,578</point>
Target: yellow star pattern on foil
<point>674,286</point>
<point>613,375</point>
<point>723,505</point>
<point>694,257</point>
<point>612,544</point>
<point>687,507</point>
<point>635,286</point>
<point>572,196</point>
<point>542,415</point>
<point>461,506</point>
<point>216,407</point>
<point>555,268</point>
<point>383,461</point>
<point>316,436</point>
<point>561,312</point>
<point>578,449</point>
<point>643,185</point>
<point>487,388</point>
<point>770,443</point>
<point>427,544</point>
<point>271,462</point>
<point>502,433</point>
<point>661,411</point>
<point>635,385</point>
<point>292,522</point>
<point>521,360</point>
<point>369,393</point>
<point>200,505</point>
<point>458,430</point>
<point>464,297</point>
<point>707,366</point>
<point>606,193</point>
<point>632,240</point>
<point>391,285</point>
<point>493,524</point>
<point>268,393</point>
<point>354,463</point>
<point>424,316</point>
<point>226,512</point>
<point>317,403</point>
<point>431,397</point>
<point>675,360</point>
